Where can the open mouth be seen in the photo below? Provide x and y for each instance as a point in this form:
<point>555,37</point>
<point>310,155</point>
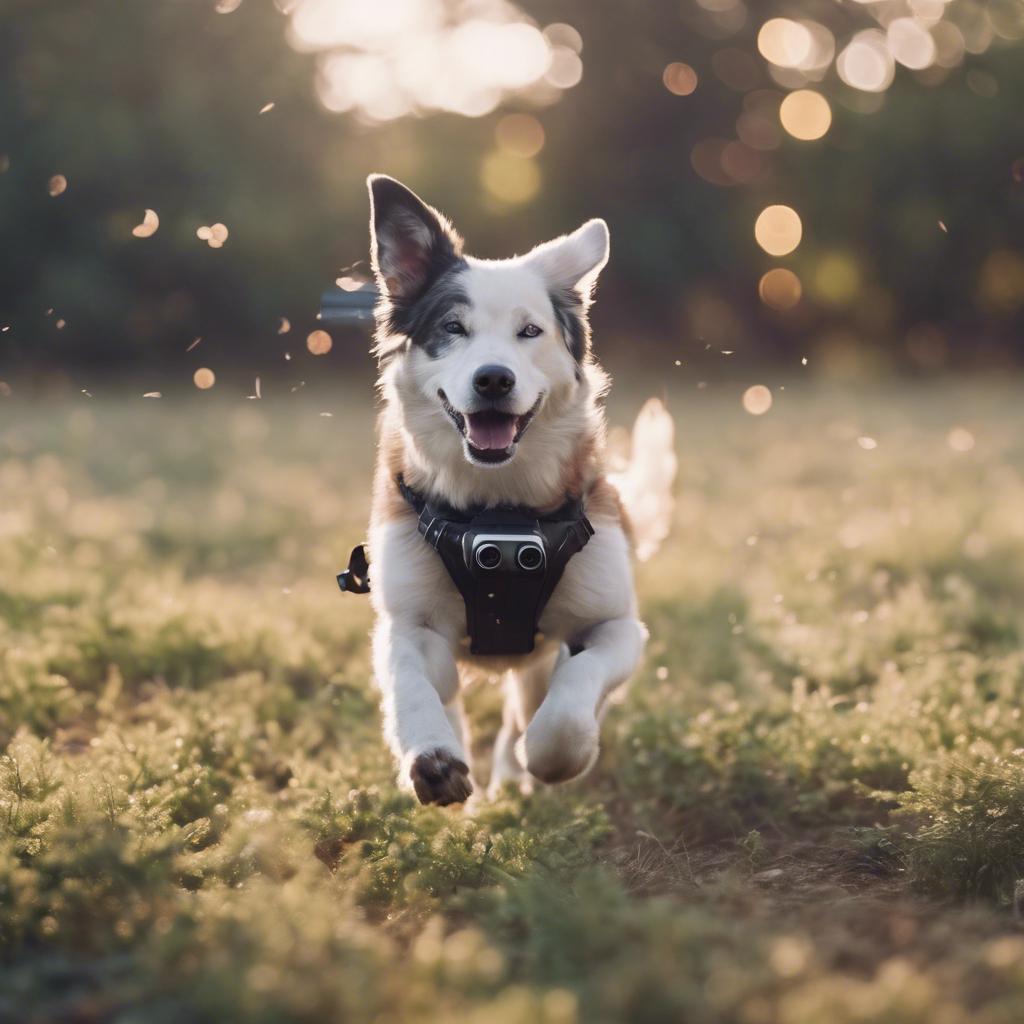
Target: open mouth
<point>491,435</point>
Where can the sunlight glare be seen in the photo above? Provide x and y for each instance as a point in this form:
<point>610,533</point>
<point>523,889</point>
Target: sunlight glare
<point>395,57</point>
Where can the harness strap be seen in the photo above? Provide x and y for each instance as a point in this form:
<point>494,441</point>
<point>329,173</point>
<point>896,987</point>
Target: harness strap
<point>502,610</point>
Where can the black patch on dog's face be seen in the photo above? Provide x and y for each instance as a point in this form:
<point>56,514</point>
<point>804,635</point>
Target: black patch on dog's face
<point>572,318</point>
<point>422,320</point>
<point>417,259</point>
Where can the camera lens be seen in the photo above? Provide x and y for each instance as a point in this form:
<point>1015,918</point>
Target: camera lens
<point>530,556</point>
<point>488,556</point>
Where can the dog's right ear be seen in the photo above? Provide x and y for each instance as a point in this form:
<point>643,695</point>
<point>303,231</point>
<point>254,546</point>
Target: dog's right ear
<point>411,244</point>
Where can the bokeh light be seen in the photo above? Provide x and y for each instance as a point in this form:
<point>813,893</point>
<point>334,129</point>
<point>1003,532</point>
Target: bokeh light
<point>757,400</point>
<point>911,43</point>
<point>1001,282</point>
<point>784,42</point>
<point>520,134</point>
<point>680,79</point>
<point>960,439</point>
<point>778,230</point>
<point>780,288</point>
<point>805,114</point>
<point>508,178</point>
<point>319,343</point>
<point>866,63</point>
<point>204,378</point>
<point>565,69</point>
<point>837,279</point>
<point>560,34</point>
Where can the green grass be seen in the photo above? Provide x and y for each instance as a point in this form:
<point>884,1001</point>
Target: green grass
<point>809,806</point>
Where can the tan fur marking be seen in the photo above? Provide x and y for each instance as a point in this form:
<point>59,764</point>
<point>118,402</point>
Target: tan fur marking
<point>388,503</point>
<point>604,502</point>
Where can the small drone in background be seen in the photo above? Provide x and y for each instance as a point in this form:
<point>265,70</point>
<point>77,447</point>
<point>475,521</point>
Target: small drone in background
<point>341,307</point>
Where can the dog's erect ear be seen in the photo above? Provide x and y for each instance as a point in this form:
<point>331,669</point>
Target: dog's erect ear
<point>572,262</point>
<point>570,266</point>
<point>411,244</point>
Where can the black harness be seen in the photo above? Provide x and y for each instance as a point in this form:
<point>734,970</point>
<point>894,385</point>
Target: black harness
<point>505,562</point>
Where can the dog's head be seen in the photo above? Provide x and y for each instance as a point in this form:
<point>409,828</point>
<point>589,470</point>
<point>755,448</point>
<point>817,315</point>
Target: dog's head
<point>488,349</point>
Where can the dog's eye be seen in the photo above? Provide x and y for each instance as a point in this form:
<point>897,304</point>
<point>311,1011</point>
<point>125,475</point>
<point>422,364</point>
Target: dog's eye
<point>529,331</point>
<point>454,327</point>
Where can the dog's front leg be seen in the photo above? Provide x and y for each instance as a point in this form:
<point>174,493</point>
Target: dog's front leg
<point>562,740</point>
<point>416,671</point>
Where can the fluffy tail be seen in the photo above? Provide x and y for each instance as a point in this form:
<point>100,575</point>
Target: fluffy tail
<point>646,484</point>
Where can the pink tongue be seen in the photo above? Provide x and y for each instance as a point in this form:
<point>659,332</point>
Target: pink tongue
<point>489,431</point>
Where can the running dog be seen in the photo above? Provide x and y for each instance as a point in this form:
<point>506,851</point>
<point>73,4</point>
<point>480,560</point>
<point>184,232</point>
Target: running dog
<point>492,408</point>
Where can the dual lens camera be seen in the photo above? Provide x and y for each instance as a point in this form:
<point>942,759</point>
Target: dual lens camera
<point>508,553</point>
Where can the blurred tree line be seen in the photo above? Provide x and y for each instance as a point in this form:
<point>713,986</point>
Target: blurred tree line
<point>913,213</point>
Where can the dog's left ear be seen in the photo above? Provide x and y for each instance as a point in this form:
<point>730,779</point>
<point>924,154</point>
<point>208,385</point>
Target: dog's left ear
<point>570,266</point>
<point>411,244</point>
<point>572,263</point>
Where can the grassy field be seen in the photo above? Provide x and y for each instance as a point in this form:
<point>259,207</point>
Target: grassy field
<point>809,806</point>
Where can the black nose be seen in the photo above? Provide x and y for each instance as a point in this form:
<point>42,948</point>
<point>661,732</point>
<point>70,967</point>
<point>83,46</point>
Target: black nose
<point>493,381</point>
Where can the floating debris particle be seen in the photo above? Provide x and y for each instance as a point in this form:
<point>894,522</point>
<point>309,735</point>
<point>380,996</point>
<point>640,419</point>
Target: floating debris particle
<point>214,235</point>
<point>149,225</point>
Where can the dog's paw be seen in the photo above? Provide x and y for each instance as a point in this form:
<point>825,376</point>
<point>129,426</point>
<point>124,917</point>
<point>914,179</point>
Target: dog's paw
<point>439,777</point>
<point>557,750</point>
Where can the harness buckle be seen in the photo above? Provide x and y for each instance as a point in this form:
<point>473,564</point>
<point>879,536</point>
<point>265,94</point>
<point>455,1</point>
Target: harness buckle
<point>356,578</point>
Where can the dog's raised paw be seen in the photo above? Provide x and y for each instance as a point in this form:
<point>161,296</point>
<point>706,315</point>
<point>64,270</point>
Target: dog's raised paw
<point>439,777</point>
<point>557,750</point>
